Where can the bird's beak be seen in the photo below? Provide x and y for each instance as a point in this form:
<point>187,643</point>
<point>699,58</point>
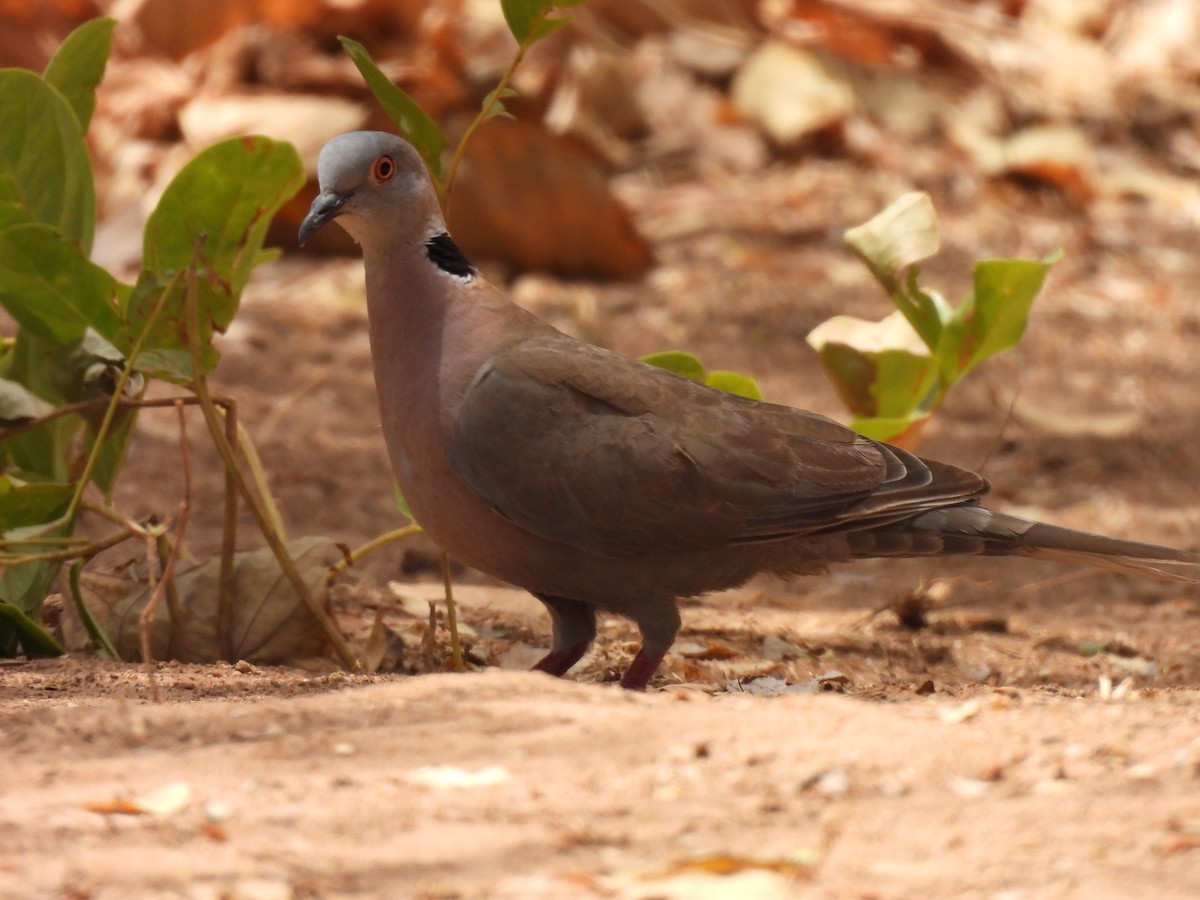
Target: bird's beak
<point>325,208</point>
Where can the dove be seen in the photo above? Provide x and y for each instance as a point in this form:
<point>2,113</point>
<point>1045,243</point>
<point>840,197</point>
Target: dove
<point>598,482</point>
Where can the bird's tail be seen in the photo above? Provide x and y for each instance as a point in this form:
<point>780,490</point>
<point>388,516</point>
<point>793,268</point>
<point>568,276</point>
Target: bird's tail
<point>970,529</point>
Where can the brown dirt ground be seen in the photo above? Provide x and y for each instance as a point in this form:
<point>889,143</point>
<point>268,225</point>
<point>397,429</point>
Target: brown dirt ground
<point>1040,737</point>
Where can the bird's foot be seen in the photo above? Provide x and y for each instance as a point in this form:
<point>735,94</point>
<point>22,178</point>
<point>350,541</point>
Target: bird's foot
<point>643,667</point>
<point>557,662</point>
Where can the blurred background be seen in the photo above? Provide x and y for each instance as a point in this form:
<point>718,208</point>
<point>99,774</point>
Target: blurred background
<point>1080,104</point>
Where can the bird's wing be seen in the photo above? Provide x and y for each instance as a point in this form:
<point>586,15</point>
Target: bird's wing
<point>593,449</point>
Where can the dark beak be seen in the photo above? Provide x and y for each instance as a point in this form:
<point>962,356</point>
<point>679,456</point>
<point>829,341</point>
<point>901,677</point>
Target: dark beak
<point>325,208</point>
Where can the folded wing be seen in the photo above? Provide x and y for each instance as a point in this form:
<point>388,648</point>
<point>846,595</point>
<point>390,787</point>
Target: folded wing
<point>593,449</point>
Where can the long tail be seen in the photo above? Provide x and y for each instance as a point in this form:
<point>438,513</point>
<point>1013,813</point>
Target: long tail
<point>970,529</point>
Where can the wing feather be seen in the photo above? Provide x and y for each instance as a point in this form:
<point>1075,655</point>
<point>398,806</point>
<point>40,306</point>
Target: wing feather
<point>591,448</point>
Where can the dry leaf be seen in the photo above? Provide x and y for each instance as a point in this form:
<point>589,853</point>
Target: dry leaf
<point>711,650</point>
<point>270,622</point>
<point>790,93</point>
<point>537,201</point>
<point>798,866</point>
<point>165,801</point>
<point>1058,155</point>
<point>1099,423</point>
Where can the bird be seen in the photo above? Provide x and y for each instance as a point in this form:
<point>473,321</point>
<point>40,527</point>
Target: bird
<point>599,482</point>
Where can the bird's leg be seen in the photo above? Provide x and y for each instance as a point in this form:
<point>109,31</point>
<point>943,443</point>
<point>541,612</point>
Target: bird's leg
<point>574,625</point>
<point>658,634</point>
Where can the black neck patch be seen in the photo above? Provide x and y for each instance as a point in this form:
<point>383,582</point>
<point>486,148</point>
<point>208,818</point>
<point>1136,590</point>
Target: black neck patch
<point>444,254</point>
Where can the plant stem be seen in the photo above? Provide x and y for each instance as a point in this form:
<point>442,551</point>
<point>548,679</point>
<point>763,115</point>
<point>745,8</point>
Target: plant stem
<point>456,654</point>
<point>84,405</point>
<point>258,475</point>
<point>166,583</point>
<point>90,625</point>
<point>111,409</point>
<point>372,545</point>
<point>225,585</point>
<point>82,551</point>
<point>480,118</point>
<point>225,449</point>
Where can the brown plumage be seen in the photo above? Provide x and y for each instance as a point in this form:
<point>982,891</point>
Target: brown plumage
<point>596,481</point>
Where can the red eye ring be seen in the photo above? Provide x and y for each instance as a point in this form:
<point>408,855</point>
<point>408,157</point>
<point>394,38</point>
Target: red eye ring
<point>384,169</point>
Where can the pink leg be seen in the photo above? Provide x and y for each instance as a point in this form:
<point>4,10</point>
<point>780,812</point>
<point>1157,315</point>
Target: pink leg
<point>574,631</point>
<point>557,662</point>
<point>642,669</point>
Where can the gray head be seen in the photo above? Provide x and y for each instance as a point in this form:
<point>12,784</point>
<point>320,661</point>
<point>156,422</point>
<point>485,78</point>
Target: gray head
<point>376,185</point>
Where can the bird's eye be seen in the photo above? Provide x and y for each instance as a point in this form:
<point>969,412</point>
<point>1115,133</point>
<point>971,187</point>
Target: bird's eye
<point>384,169</point>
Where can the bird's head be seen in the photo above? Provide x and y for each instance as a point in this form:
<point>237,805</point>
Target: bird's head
<point>374,184</point>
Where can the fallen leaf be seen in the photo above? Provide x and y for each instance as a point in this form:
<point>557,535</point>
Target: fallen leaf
<point>270,621</point>
<point>800,865</point>
<point>165,801</point>
<point>1057,155</point>
<point>790,93</point>
<point>537,201</point>
<point>1097,423</point>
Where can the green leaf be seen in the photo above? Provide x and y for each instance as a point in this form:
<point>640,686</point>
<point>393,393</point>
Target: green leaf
<point>89,368</point>
<point>876,364</point>
<point>401,502</point>
<point>689,366</point>
<point>678,361</point>
<point>95,633</point>
<point>51,288</point>
<point>25,511</point>
<point>734,383</point>
<point>78,66</point>
<point>19,405</point>
<point>114,449</point>
<point>852,374</point>
<point>529,21</point>
<point>993,317</point>
<point>17,630</point>
<point>493,103</point>
<point>213,216</point>
<point>13,213</point>
<point>520,15</point>
<point>881,383</point>
<point>420,130</point>
<point>892,243</point>
<point>905,383</point>
<point>546,26</point>
<point>45,173</point>
<point>44,450</point>
<point>926,311</point>
<point>902,430</point>
<point>24,505</point>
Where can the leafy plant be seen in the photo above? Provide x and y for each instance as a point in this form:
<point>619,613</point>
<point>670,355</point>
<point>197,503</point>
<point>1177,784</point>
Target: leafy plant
<point>895,373</point>
<point>689,366</point>
<point>528,20</point>
<point>72,377</point>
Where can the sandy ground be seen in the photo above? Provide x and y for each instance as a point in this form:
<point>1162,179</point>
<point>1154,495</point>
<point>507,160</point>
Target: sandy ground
<point>513,785</point>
